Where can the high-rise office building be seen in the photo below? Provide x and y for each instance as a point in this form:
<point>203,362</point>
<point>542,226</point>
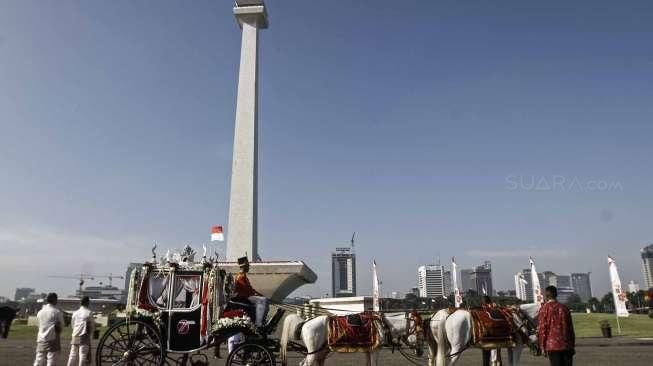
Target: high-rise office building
<point>563,281</point>
<point>447,283</point>
<point>481,279</point>
<point>343,272</point>
<point>647,266</point>
<point>466,280</point>
<point>528,286</point>
<point>582,286</point>
<point>431,281</point>
<point>550,279</point>
<point>520,286</point>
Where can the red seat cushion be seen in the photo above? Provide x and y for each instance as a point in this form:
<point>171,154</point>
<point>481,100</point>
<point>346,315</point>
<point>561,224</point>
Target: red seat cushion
<point>235,313</point>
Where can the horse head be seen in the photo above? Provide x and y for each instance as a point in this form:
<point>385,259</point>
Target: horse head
<point>525,319</point>
<point>407,328</point>
<point>415,339</point>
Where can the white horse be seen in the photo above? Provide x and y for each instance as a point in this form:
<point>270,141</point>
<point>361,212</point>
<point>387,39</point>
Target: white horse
<point>406,328</point>
<point>453,333</point>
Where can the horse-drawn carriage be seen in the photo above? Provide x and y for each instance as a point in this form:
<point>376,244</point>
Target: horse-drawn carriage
<point>177,308</point>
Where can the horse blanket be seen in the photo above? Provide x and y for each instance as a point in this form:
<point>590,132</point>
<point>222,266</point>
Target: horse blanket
<point>361,332</point>
<point>492,328</point>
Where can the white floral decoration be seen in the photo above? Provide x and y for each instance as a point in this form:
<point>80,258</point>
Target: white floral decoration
<point>243,322</point>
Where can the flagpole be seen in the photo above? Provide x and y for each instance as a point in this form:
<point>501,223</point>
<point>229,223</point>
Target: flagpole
<point>618,323</point>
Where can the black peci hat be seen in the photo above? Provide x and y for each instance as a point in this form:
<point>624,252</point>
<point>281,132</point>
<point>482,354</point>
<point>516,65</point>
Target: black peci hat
<point>243,261</point>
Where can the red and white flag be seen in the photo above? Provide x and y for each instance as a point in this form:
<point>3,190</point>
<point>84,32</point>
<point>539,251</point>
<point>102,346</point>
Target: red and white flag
<point>538,297</point>
<point>617,292</point>
<point>216,233</point>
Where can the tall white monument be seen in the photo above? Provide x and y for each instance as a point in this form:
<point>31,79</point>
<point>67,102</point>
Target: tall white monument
<point>243,203</point>
<point>273,279</point>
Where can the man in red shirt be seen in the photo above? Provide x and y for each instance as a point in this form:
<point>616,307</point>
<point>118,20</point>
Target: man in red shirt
<point>244,290</point>
<point>555,330</point>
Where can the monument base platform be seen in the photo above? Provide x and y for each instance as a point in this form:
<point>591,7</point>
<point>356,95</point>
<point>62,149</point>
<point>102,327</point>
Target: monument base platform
<point>276,280</point>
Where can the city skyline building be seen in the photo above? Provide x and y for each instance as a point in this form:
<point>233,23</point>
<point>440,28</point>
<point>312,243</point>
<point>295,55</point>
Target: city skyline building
<point>582,285</point>
<point>528,286</point>
<point>567,285</point>
<point>481,279</point>
<point>431,280</point>
<point>563,281</point>
<point>647,266</point>
<point>466,280</point>
<point>343,272</point>
<point>448,290</point>
<point>103,292</point>
<point>520,286</point>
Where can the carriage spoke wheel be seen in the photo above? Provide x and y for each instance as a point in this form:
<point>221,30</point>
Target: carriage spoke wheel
<point>250,354</point>
<point>131,343</point>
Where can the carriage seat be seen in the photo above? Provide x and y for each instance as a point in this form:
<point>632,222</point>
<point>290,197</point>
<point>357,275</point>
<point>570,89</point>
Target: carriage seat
<point>492,328</point>
<point>241,304</point>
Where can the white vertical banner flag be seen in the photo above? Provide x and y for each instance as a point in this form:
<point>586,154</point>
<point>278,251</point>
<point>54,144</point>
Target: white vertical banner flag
<point>375,288</point>
<point>617,293</point>
<point>457,298</point>
<point>535,281</point>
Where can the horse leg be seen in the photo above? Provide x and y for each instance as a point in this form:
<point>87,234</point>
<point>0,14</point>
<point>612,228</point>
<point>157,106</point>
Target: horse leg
<point>321,358</point>
<point>433,349</point>
<point>495,357</point>
<point>440,340</point>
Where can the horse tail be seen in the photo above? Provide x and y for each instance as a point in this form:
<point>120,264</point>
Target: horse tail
<point>290,325</point>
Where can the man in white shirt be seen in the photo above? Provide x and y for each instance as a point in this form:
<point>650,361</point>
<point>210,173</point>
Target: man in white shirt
<point>48,343</point>
<point>83,325</point>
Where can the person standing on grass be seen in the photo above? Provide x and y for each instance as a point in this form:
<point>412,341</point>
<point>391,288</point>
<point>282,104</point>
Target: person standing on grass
<point>555,330</point>
<point>48,341</point>
<point>83,325</point>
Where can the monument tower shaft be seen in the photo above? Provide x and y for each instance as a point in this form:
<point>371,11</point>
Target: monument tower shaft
<point>243,201</point>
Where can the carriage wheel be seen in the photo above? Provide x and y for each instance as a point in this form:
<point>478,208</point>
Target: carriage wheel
<point>251,354</point>
<point>130,343</point>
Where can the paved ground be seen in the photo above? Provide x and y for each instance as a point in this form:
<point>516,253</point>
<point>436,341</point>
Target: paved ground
<point>590,352</point>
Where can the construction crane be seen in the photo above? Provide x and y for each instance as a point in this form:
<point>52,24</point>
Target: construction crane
<point>82,277</point>
<point>110,276</point>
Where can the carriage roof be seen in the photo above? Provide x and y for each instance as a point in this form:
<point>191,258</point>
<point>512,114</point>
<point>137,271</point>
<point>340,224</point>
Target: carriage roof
<point>159,282</point>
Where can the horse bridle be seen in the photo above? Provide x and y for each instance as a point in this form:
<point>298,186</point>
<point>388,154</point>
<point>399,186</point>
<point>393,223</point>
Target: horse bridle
<point>526,322</point>
<point>528,328</point>
<point>417,329</point>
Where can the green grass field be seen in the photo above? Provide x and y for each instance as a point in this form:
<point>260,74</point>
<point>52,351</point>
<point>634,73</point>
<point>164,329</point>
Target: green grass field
<point>636,325</point>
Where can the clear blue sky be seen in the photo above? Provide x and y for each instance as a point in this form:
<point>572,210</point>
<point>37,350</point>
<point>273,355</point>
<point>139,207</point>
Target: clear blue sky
<point>418,124</point>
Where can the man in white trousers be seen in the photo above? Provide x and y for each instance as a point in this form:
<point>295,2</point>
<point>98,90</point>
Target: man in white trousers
<point>48,341</point>
<point>245,293</point>
<point>80,344</point>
